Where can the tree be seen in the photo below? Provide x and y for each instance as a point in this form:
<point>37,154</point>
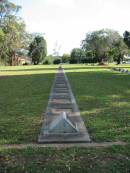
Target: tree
<point>8,8</point>
<point>103,44</point>
<point>12,32</point>
<point>65,58</point>
<point>119,50</point>
<point>57,61</point>
<point>49,59</point>
<point>77,55</point>
<point>14,37</point>
<point>127,38</point>
<point>96,42</point>
<point>38,49</point>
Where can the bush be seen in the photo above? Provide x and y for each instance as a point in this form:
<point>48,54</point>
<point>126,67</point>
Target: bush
<point>46,62</point>
<point>65,58</point>
<point>73,61</point>
<point>57,61</point>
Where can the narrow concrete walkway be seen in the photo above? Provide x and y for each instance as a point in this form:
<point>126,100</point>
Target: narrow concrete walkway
<point>79,145</point>
<point>62,101</point>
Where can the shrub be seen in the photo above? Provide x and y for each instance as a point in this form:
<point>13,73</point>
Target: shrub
<point>57,61</point>
<point>46,62</point>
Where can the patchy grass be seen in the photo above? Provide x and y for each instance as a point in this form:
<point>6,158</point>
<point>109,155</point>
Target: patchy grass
<point>103,97</point>
<point>23,98</point>
<point>54,160</point>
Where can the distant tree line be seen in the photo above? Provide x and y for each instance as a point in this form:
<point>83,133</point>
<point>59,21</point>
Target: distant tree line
<point>101,46</point>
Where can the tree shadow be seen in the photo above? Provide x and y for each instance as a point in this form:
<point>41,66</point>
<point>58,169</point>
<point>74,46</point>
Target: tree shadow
<point>103,98</point>
<point>32,69</point>
<point>123,67</point>
<point>87,67</point>
<point>23,99</point>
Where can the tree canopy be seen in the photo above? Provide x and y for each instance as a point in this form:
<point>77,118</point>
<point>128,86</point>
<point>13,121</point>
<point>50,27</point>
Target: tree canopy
<point>65,58</point>
<point>12,31</point>
<point>38,49</point>
<point>104,45</point>
<point>77,55</point>
<point>127,38</point>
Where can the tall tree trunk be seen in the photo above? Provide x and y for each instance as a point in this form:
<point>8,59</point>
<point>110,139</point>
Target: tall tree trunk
<point>12,58</point>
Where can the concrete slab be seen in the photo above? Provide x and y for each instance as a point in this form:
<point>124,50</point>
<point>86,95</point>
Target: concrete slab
<point>58,111</point>
<point>62,91</point>
<point>61,86</point>
<point>61,96</point>
<point>62,100</point>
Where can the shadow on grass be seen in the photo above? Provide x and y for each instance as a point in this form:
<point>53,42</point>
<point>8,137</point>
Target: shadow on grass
<point>54,68</point>
<point>122,66</point>
<point>87,67</point>
<point>23,99</point>
<point>104,101</point>
<point>32,69</point>
<point>103,98</point>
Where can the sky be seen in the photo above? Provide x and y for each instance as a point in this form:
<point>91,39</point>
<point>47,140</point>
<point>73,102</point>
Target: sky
<point>66,22</point>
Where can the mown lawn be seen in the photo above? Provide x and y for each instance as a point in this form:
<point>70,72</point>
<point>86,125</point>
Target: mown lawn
<point>73,160</point>
<point>123,66</point>
<point>24,95</point>
<point>103,97</point>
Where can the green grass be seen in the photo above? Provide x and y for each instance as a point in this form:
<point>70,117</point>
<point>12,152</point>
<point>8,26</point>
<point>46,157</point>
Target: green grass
<point>27,70</point>
<point>73,160</point>
<point>123,66</point>
<point>23,99</point>
<point>103,97</point>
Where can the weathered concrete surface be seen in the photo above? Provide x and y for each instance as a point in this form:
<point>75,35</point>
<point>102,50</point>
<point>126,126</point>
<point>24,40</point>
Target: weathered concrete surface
<point>62,100</point>
<point>78,145</point>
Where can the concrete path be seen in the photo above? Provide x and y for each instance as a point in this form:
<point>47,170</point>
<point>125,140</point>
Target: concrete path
<point>83,145</point>
<point>62,100</point>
